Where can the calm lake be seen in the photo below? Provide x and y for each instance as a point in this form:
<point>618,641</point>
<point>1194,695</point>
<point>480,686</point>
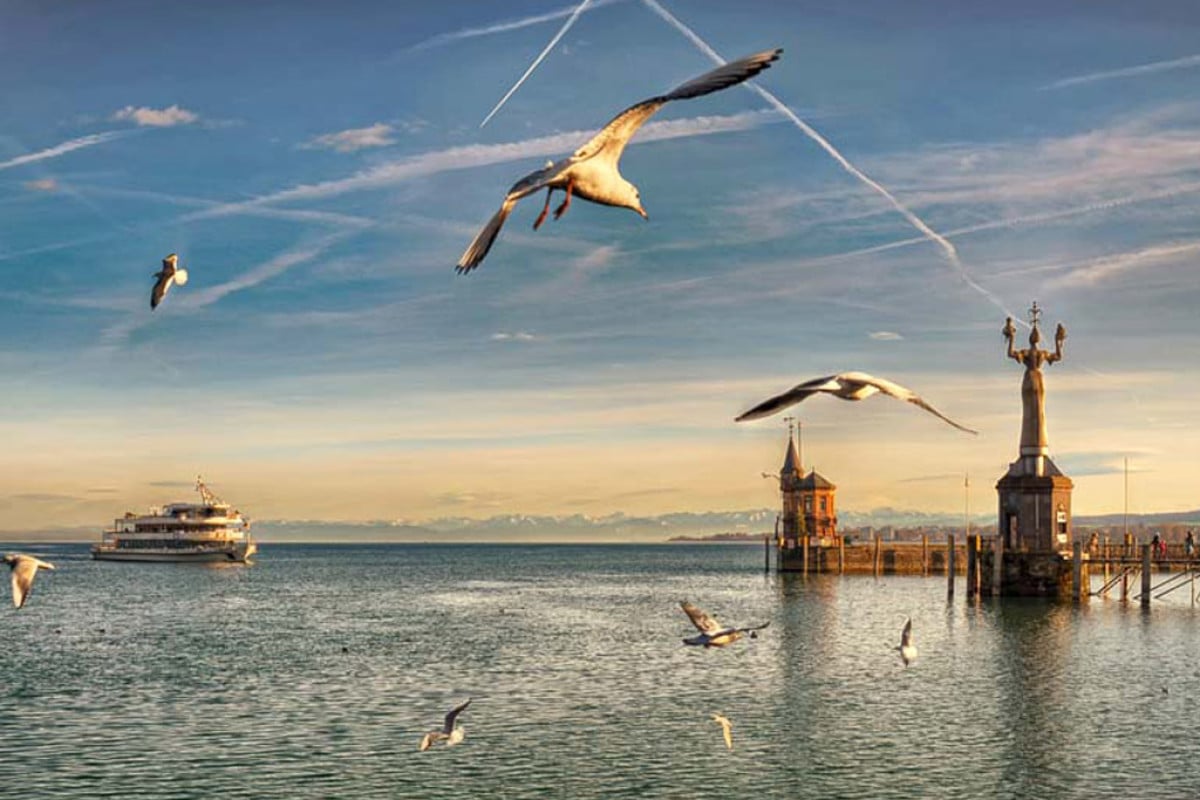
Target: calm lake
<point>315,671</point>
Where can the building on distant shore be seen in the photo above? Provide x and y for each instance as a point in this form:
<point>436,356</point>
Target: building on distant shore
<point>809,501</point>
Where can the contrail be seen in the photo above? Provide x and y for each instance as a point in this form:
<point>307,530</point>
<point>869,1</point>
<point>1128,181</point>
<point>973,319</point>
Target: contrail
<point>810,132</point>
<point>1127,72</point>
<point>60,149</point>
<point>541,56</point>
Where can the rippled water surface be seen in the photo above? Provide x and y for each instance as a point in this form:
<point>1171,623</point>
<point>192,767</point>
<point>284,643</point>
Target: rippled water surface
<point>314,672</point>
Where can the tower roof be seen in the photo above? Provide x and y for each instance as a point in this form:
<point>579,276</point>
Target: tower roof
<point>815,480</point>
<point>791,460</point>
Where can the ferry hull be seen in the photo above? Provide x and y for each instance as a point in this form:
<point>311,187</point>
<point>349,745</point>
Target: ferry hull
<point>233,555</point>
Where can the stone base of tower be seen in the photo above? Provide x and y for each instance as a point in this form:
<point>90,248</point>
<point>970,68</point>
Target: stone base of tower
<point>1034,527</point>
<point>1027,574</point>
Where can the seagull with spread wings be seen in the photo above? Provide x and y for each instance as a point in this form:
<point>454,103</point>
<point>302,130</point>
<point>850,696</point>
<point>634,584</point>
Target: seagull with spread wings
<point>592,171</point>
<point>449,732</point>
<point>713,633</point>
<point>24,570</point>
<point>171,273</point>
<point>847,386</point>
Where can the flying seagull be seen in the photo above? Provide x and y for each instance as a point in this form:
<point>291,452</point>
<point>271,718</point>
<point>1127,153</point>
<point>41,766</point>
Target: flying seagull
<point>848,386</point>
<point>171,273</point>
<point>726,728</point>
<point>713,633</point>
<point>451,734</point>
<point>592,171</point>
<point>24,569</point>
<point>908,650</point>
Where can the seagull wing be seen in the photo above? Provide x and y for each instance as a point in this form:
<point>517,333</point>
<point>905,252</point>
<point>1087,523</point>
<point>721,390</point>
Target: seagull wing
<point>448,727</point>
<point>611,140</point>
<point>427,740</point>
<point>726,728</point>
<point>24,568</point>
<point>906,634</point>
<point>901,393</point>
<point>753,628</point>
<point>792,396</point>
<point>703,622</point>
<point>165,279</point>
<point>483,240</point>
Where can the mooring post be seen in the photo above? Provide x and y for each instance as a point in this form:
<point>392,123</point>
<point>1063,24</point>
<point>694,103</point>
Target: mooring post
<point>1077,570</point>
<point>1146,574</point>
<point>841,555</point>
<point>997,564</point>
<point>924,554</point>
<point>949,565</point>
<point>1106,551</point>
<point>766,555</point>
<point>876,561</point>
<point>804,545</point>
<point>972,565</point>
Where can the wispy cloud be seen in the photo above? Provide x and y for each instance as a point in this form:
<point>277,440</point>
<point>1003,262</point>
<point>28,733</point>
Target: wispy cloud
<point>478,155</point>
<point>1102,269</point>
<point>42,185</point>
<point>61,149</point>
<point>354,139</point>
<point>540,57</point>
<point>1125,72</point>
<point>144,116</point>
<point>885,336</point>
<point>502,27</point>
<point>516,336</point>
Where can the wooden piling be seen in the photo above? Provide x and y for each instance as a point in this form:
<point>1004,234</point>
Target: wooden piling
<point>973,565</point>
<point>997,565</point>
<point>1077,571</point>
<point>949,565</point>
<point>1146,574</point>
<point>924,554</point>
<point>841,555</point>
<point>876,561</point>
<point>804,545</point>
<point>766,555</point>
<point>1106,555</point>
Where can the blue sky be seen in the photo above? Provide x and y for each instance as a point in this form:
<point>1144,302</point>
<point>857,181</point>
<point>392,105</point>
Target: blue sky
<point>319,168</point>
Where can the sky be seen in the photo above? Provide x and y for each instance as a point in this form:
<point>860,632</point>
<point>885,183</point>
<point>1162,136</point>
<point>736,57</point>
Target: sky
<point>320,167</point>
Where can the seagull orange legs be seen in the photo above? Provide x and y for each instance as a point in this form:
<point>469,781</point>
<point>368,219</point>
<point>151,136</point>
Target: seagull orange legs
<point>558,212</point>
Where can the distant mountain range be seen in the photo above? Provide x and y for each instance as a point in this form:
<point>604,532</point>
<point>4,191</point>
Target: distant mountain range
<point>581,528</point>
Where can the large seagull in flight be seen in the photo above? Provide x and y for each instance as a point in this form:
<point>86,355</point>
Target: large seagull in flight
<point>592,171</point>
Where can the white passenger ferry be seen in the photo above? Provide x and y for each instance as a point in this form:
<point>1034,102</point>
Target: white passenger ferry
<point>210,530</point>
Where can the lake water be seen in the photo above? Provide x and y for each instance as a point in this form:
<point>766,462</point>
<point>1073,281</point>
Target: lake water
<point>153,680</point>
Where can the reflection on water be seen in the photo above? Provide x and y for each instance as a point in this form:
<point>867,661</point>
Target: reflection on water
<point>315,672</point>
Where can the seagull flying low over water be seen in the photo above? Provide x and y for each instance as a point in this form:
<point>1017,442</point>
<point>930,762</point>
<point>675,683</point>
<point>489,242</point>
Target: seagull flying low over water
<point>451,734</point>
<point>713,633</point>
<point>726,728</point>
<point>908,650</point>
<point>592,171</point>
<point>848,386</point>
<point>24,569</point>
<point>171,273</point>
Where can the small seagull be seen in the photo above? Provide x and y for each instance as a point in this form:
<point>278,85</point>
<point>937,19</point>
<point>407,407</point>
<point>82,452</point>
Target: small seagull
<point>712,633</point>
<point>171,273</point>
<point>848,386</point>
<point>451,734</point>
<point>592,171</point>
<point>726,728</point>
<point>24,569</point>
<point>908,650</point>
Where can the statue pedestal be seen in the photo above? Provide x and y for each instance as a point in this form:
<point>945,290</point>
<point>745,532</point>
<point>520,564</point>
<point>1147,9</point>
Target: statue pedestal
<point>1035,525</point>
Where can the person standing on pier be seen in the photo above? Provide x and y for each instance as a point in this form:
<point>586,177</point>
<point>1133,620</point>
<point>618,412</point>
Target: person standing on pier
<point>1189,544</point>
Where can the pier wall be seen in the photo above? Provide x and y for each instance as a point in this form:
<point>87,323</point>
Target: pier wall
<point>869,558</point>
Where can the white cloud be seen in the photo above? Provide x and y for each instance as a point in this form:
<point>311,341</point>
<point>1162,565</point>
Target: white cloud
<point>518,336</point>
<point>60,149</point>
<point>885,336</point>
<point>353,139</point>
<point>42,185</point>
<point>167,117</point>
<point>1102,269</point>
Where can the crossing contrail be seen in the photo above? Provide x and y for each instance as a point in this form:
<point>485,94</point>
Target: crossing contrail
<point>541,56</point>
<point>941,241</point>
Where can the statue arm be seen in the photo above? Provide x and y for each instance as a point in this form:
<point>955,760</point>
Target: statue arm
<point>1060,336</point>
<point>1010,333</point>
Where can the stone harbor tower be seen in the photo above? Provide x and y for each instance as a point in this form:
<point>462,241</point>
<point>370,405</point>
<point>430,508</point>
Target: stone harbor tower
<point>1034,496</point>
<point>808,501</point>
